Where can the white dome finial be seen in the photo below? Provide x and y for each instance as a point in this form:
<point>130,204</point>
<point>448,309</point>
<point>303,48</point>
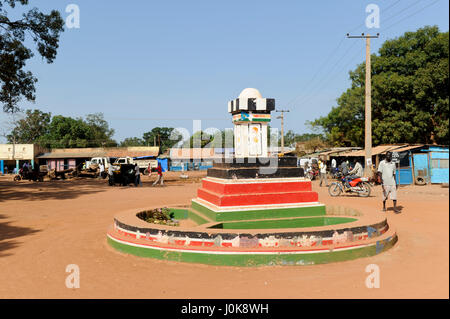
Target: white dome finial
<point>250,93</point>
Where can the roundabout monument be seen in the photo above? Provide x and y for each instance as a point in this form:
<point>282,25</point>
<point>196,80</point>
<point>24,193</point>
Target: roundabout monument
<point>253,209</point>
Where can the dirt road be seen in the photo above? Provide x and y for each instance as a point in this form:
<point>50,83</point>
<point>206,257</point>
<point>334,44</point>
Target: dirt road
<point>46,226</point>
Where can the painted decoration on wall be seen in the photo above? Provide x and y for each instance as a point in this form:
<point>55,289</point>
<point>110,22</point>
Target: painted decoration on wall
<point>255,139</point>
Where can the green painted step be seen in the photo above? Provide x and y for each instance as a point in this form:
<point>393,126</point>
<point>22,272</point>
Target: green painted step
<point>198,217</point>
<point>259,214</point>
<point>286,223</point>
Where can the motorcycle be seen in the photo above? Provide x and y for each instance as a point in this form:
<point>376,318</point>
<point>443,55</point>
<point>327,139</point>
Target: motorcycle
<point>358,185</point>
<point>29,175</point>
<point>335,172</point>
<point>312,174</point>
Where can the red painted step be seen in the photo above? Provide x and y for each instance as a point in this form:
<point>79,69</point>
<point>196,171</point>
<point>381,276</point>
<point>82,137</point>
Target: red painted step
<point>257,199</point>
<point>255,188</point>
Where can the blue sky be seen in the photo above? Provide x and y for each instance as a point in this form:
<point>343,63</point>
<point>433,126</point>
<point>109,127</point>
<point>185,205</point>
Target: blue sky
<point>166,63</point>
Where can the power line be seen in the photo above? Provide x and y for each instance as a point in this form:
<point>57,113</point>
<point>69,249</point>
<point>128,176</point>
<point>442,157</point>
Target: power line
<point>414,13</point>
<point>319,84</point>
<point>319,69</point>
<point>402,11</point>
<point>328,79</point>
<point>332,54</point>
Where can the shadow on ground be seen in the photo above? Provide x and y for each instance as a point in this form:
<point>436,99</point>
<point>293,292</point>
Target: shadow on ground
<point>59,189</point>
<point>9,233</point>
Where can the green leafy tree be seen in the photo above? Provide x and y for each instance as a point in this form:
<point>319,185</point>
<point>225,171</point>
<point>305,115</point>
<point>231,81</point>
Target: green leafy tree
<point>67,132</point>
<point>291,138</point>
<point>132,141</point>
<point>199,136</point>
<point>30,128</point>
<point>410,100</point>
<point>44,30</point>
<point>164,137</point>
<point>99,132</point>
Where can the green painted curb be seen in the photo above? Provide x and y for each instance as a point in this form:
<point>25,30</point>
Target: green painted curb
<point>196,218</point>
<point>251,260</point>
<point>286,223</point>
<point>260,214</point>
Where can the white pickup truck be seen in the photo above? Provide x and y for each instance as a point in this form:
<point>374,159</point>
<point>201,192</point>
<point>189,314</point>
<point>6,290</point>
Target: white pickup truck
<point>97,160</point>
<point>142,163</point>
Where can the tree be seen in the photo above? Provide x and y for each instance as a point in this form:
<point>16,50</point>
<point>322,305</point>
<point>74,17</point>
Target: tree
<point>199,136</point>
<point>44,30</point>
<point>30,128</point>
<point>164,137</point>
<point>315,144</point>
<point>410,100</point>
<point>132,141</point>
<point>67,132</point>
<point>291,138</point>
<point>99,132</point>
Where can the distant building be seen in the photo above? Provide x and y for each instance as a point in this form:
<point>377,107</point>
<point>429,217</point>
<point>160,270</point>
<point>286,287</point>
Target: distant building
<point>417,163</point>
<point>14,155</point>
<point>65,158</point>
<point>195,158</point>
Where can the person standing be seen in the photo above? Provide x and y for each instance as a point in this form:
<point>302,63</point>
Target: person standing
<point>137,180</point>
<point>111,175</point>
<point>160,178</point>
<point>386,172</point>
<point>333,163</point>
<point>323,173</point>
<point>102,170</point>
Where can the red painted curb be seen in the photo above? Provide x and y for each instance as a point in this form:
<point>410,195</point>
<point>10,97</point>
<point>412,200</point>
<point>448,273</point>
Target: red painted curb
<point>257,199</point>
<point>255,188</point>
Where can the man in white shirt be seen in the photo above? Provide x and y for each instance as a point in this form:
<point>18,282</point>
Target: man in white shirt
<point>323,173</point>
<point>357,171</point>
<point>386,171</point>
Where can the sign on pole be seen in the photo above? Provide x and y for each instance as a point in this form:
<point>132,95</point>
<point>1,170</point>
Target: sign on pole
<point>395,157</point>
<point>396,160</point>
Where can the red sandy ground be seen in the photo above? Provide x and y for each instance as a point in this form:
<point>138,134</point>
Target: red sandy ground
<point>46,226</point>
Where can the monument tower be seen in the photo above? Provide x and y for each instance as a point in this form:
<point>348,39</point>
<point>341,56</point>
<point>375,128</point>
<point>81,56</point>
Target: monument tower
<point>254,179</point>
<point>251,116</point>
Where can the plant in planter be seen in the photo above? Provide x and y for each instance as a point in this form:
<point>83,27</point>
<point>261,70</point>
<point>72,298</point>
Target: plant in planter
<point>160,216</point>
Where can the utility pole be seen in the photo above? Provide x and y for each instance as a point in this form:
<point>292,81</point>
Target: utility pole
<point>282,127</point>
<point>368,104</point>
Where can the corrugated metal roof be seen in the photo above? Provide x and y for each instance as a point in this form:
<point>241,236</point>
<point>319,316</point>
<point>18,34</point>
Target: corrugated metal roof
<point>102,152</point>
<point>339,150</point>
<point>375,150</point>
<point>407,148</point>
<point>55,155</point>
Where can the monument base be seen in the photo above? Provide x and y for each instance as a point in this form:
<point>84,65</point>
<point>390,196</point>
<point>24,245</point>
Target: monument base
<point>255,188</point>
<point>256,167</point>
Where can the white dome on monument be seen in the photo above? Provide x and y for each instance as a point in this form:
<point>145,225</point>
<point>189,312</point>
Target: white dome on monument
<point>250,93</point>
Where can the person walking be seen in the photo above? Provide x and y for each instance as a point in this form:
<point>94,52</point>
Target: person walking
<point>137,179</point>
<point>149,169</point>
<point>386,172</point>
<point>323,173</point>
<point>160,178</point>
